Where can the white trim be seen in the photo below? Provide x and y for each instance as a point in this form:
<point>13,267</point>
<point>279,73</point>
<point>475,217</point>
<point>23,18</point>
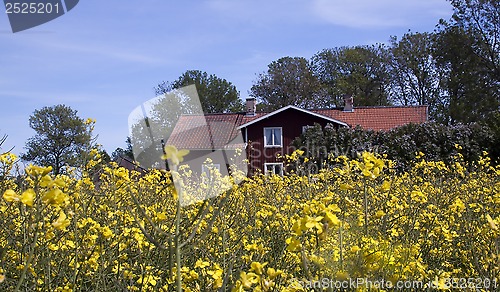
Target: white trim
<point>274,169</point>
<point>295,108</point>
<point>281,138</point>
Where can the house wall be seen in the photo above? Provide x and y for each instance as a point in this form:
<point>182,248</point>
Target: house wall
<point>224,158</point>
<point>291,121</point>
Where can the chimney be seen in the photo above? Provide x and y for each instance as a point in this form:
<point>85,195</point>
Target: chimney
<point>348,103</point>
<point>251,106</point>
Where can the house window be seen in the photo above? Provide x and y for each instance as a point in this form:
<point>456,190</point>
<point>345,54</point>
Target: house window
<point>209,168</point>
<point>273,168</point>
<point>305,128</point>
<point>273,137</point>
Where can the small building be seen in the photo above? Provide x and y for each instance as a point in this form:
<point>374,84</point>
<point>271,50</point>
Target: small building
<point>264,136</point>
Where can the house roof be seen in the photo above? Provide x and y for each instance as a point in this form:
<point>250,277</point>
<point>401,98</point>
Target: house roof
<point>378,118</point>
<point>295,108</point>
<point>217,131</point>
<point>210,131</point>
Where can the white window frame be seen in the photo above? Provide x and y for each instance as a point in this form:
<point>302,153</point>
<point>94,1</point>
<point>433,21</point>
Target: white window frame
<point>305,128</point>
<point>206,168</point>
<point>274,145</point>
<point>274,164</point>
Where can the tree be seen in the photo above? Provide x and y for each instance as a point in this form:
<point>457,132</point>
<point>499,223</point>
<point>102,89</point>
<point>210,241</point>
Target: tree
<point>61,138</point>
<point>481,20</point>
<point>360,71</point>
<point>414,75</point>
<point>288,81</point>
<point>468,89</point>
<point>216,95</point>
<point>152,123</point>
<point>467,51</point>
<point>492,121</point>
<point>126,153</point>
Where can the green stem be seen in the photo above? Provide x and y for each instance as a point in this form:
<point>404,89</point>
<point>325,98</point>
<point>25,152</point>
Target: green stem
<point>341,245</point>
<point>177,246</point>
<point>366,209</point>
<point>28,262</point>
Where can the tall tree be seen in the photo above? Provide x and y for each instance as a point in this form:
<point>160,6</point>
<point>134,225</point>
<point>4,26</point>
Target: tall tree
<point>414,75</point>
<point>413,69</point>
<point>155,120</point>
<point>467,87</point>
<point>467,51</point>
<point>124,153</point>
<point>288,81</point>
<point>481,20</point>
<point>360,71</point>
<point>216,95</point>
<point>61,138</point>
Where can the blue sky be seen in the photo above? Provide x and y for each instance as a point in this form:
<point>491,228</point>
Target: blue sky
<point>103,58</point>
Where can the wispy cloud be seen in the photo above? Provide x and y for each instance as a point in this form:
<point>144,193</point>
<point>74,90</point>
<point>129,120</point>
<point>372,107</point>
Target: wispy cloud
<point>379,14</point>
<point>117,53</point>
<point>262,12</point>
<point>94,49</point>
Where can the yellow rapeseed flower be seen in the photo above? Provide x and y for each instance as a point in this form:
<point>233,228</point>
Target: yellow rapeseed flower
<point>257,267</point>
<point>216,273</point>
<point>62,222</point>
<point>355,249</point>
<point>8,158</point>
<point>379,214</point>
<point>176,156</point>
<point>28,197</point>
<point>106,232</point>
<point>311,222</point>
<point>201,264</point>
<point>89,121</point>
<point>11,196</point>
<point>161,216</point>
<point>492,223</point>
<point>247,280</point>
<point>272,273</point>
<point>54,197</point>
<point>332,219</point>
<point>293,244</point>
<point>385,187</point>
<point>37,171</point>
<point>346,187</point>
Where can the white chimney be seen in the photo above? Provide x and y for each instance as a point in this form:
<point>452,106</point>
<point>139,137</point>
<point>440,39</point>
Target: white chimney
<point>348,103</point>
<point>251,106</point>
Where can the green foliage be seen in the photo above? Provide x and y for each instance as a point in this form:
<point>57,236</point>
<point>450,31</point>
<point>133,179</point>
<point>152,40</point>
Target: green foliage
<point>360,71</point>
<point>147,132</point>
<point>288,81</point>
<point>415,78</point>
<point>480,19</point>
<point>216,95</point>
<point>492,122</point>
<point>467,88</point>
<point>61,138</point>
<point>436,141</point>
<point>120,152</point>
<point>454,70</point>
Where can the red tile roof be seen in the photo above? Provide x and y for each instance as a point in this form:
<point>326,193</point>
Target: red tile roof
<point>378,118</point>
<point>215,131</point>
<point>210,131</point>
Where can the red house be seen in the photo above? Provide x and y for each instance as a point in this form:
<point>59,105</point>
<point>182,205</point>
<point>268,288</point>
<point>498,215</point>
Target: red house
<point>265,135</point>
